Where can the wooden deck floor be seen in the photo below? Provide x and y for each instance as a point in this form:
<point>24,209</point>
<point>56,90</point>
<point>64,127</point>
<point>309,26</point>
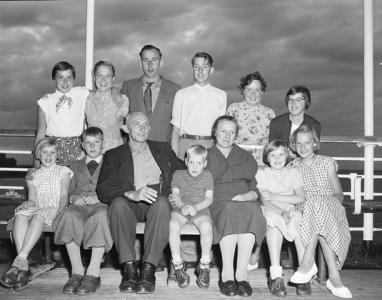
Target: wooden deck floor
<point>364,284</point>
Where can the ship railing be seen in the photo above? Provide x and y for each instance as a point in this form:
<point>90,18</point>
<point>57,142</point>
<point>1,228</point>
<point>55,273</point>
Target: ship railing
<point>354,196</point>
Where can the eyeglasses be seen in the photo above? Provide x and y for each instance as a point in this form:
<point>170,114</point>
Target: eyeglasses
<point>297,100</point>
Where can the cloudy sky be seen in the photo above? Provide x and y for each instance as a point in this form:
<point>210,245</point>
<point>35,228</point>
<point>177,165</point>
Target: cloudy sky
<point>316,43</point>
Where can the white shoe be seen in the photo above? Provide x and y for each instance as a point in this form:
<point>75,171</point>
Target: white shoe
<point>342,292</point>
<point>299,277</point>
<point>252,267</point>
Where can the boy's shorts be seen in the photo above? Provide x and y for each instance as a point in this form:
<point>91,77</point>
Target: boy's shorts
<point>203,212</point>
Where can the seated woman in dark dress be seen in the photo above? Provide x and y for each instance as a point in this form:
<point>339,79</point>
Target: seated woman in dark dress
<point>236,212</point>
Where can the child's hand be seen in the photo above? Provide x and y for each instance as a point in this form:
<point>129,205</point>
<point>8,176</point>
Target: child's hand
<point>90,200</point>
<point>25,205</point>
<point>192,210</point>
<point>185,210</point>
<point>30,174</point>
<point>78,200</point>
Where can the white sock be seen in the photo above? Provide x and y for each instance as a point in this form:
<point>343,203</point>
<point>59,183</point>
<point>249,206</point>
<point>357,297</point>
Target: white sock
<point>275,271</point>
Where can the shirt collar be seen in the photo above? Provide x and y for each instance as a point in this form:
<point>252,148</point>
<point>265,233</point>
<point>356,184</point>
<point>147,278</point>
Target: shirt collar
<point>198,86</point>
<point>98,159</point>
<point>61,94</point>
<point>156,84</point>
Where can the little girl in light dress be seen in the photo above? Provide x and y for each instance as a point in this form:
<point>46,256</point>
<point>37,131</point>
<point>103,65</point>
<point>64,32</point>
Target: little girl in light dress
<point>281,190</point>
<point>47,195</point>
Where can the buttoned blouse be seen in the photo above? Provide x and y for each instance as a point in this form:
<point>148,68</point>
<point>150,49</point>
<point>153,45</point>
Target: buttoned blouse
<point>102,112</point>
<point>197,107</point>
<point>66,122</point>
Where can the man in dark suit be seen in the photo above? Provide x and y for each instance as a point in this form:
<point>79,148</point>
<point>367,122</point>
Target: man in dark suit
<point>135,179</point>
<point>152,94</point>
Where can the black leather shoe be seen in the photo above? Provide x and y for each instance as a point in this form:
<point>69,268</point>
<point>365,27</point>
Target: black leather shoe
<point>181,276</point>
<point>244,289</point>
<point>72,284</point>
<point>129,283</point>
<point>22,280</point>
<point>9,278</point>
<point>304,289</point>
<point>228,288</point>
<point>203,279</point>
<point>146,284</point>
<point>277,287</point>
<point>89,285</point>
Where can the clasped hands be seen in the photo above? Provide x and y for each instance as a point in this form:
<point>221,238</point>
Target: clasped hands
<point>186,210</point>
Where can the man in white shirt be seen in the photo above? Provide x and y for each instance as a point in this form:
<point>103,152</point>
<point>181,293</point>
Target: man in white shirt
<point>196,107</point>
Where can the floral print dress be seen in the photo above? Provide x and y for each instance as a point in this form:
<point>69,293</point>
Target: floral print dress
<point>253,126</point>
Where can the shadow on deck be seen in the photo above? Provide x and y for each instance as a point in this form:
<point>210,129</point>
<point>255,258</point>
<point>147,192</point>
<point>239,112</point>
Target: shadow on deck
<point>364,284</point>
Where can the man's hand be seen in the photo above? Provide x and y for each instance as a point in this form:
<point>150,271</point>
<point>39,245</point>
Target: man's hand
<point>145,194</point>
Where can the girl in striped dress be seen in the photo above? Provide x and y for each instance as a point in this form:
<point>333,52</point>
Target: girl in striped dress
<point>47,195</point>
<point>324,218</point>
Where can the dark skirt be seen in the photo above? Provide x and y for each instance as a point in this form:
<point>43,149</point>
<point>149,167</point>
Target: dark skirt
<point>237,217</point>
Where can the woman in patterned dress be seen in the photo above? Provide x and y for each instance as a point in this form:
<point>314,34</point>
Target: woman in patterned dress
<point>102,110</point>
<point>253,117</point>
<point>324,218</point>
<point>47,195</point>
<point>254,120</point>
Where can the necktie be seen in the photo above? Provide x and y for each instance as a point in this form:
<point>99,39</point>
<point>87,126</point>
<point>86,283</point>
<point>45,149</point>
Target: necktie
<point>92,166</point>
<point>63,99</point>
<point>147,99</point>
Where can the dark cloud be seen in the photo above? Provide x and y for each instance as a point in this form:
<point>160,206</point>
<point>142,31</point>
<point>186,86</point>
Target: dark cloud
<point>316,43</point>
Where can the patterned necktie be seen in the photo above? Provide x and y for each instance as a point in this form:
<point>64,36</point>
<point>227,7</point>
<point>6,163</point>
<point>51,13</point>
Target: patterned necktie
<point>92,166</point>
<point>63,99</point>
<point>147,99</point>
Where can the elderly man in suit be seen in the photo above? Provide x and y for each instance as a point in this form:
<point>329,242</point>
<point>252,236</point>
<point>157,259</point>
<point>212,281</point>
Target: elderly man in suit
<point>152,94</point>
<point>135,179</point>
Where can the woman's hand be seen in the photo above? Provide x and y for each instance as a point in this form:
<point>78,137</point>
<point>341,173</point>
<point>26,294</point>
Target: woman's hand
<point>25,205</point>
<point>250,196</point>
<point>286,216</point>
<point>266,196</point>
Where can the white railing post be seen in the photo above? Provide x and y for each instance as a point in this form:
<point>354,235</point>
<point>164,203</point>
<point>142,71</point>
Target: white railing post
<point>368,114</point>
<point>89,44</point>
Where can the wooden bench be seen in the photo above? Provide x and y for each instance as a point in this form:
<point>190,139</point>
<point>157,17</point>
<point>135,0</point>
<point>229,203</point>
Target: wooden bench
<point>187,229</point>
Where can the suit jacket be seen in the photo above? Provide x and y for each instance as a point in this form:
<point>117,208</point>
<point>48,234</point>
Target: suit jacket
<point>117,172</point>
<point>82,183</point>
<point>281,125</point>
<point>161,115</point>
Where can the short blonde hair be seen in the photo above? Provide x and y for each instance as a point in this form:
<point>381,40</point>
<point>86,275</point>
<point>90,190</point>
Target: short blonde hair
<point>45,142</point>
<point>305,129</point>
<point>197,150</point>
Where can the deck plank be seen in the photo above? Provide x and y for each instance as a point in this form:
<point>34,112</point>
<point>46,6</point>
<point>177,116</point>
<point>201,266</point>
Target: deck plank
<point>364,284</point>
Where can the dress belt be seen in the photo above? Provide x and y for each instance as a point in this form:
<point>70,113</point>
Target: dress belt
<point>196,137</point>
